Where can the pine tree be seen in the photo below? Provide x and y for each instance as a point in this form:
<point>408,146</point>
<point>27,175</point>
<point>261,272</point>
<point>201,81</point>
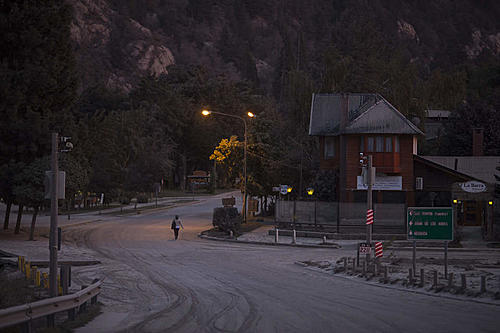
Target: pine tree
<point>37,76</point>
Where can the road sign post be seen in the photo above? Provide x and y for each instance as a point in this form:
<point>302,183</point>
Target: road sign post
<point>430,223</point>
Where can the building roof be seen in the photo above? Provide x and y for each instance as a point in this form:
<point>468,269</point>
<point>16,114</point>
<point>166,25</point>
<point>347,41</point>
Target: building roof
<point>367,114</point>
<point>437,113</point>
<point>480,167</point>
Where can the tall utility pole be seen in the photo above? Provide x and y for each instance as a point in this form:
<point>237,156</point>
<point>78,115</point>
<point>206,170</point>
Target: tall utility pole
<point>53,219</point>
<point>369,201</point>
<point>245,174</point>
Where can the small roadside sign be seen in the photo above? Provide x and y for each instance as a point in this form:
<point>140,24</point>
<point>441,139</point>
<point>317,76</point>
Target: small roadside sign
<point>283,189</point>
<point>365,248</point>
<point>430,223</point>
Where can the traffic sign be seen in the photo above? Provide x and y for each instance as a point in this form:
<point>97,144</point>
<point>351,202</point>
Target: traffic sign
<point>283,189</point>
<point>365,248</point>
<point>430,223</point>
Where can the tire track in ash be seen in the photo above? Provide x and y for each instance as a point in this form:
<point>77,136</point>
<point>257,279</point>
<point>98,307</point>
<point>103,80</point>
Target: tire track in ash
<point>184,296</point>
<point>181,299</point>
<point>137,264</point>
<point>250,320</point>
<point>194,312</point>
<point>85,240</point>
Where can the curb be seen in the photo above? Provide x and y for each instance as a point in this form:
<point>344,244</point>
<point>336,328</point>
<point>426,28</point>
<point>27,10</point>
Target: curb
<point>459,249</point>
<point>152,210</point>
<point>327,246</point>
<point>374,284</point>
<point>79,223</point>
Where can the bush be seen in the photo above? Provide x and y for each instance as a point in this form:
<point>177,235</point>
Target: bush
<point>124,200</point>
<point>227,219</point>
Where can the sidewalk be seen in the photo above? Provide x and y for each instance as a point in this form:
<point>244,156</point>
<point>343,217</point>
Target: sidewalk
<point>265,235</point>
<point>43,218</point>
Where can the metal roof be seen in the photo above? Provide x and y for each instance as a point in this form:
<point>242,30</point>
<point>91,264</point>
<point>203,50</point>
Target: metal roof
<point>479,167</point>
<point>368,113</point>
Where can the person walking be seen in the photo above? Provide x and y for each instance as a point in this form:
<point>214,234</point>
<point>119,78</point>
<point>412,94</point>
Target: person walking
<point>176,225</point>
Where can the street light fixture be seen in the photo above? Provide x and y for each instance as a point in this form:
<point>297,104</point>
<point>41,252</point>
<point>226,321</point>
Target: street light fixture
<point>250,115</point>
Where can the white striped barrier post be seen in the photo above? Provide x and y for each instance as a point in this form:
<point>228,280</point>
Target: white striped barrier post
<point>379,249</point>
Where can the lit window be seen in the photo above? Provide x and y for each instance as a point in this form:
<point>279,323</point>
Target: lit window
<point>380,144</point>
<point>329,147</point>
<point>396,144</point>
<point>371,143</point>
<point>388,145</point>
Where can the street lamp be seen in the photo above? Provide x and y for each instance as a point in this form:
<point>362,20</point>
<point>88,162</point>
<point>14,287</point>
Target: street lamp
<point>250,115</point>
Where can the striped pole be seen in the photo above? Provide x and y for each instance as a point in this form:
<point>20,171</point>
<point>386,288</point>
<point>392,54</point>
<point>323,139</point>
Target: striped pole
<point>369,216</point>
<point>379,249</point>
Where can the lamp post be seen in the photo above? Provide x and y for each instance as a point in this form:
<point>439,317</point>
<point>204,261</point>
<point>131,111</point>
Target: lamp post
<point>251,115</point>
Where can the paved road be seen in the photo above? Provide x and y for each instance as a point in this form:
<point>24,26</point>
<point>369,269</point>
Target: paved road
<point>155,284</point>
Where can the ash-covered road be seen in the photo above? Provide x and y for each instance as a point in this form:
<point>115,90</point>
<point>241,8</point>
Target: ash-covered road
<point>156,284</point>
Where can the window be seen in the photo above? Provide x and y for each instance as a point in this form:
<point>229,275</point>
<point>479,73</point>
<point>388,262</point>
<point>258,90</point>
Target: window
<point>380,144</point>
<point>396,144</point>
<point>370,144</point>
<point>361,144</point>
<point>388,144</point>
<point>329,147</point>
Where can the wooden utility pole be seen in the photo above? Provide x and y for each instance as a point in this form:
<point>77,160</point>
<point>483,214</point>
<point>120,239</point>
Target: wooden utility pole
<point>53,220</point>
<point>369,202</point>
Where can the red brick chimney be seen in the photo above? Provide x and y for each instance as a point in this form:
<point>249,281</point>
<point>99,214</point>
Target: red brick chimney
<point>477,142</point>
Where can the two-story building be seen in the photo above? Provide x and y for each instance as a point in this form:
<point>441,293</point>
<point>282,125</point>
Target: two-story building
<point>350,124</point>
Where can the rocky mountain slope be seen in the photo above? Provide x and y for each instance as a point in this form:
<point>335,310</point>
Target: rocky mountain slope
<point>118,42</point>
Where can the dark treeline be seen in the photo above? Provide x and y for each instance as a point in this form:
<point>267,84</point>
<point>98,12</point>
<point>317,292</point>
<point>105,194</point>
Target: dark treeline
<point>124,143</point>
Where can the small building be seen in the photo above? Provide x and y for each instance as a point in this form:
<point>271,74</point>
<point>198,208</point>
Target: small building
<point>434,123</point>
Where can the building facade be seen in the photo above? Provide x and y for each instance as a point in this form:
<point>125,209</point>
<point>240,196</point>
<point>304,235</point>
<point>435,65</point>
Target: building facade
<point>350,124</point>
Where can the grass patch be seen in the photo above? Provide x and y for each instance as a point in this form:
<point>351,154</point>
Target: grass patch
<point>249,226</point>
<point>16,290</point>
<point>179,193</point>
<point>138,210</point>
<point>244,228</point>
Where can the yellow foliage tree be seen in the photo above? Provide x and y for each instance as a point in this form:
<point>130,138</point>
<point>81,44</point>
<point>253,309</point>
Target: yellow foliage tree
<point>224,149</point>
<point>224,154</point>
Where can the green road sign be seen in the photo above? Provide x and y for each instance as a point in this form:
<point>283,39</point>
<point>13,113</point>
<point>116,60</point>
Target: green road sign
<point>432,223</point>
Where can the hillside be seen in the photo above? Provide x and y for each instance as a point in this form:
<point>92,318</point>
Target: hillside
<point>118,42</point>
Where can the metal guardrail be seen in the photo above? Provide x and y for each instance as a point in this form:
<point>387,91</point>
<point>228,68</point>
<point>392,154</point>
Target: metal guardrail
<point>24,313</point>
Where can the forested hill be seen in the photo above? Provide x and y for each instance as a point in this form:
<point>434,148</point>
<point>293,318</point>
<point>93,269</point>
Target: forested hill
<point>119,41</point>
<point>126,80</point>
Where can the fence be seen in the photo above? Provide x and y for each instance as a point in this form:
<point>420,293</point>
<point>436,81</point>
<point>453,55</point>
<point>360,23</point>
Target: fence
<point>340,215</point>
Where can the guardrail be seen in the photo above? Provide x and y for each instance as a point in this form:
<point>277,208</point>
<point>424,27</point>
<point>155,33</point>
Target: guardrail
<point>47,307</point>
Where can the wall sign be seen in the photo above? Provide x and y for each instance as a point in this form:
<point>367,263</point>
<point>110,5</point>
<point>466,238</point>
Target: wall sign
<point>389,183</point>
<point>473,186</point>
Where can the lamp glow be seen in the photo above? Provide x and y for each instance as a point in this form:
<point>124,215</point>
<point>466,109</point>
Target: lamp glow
<point>206,112</point>
<point>455,201</point>
<point>289,189</point>
<point>250,114</point>
<point>490,203</point>
<point>310,191</point>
